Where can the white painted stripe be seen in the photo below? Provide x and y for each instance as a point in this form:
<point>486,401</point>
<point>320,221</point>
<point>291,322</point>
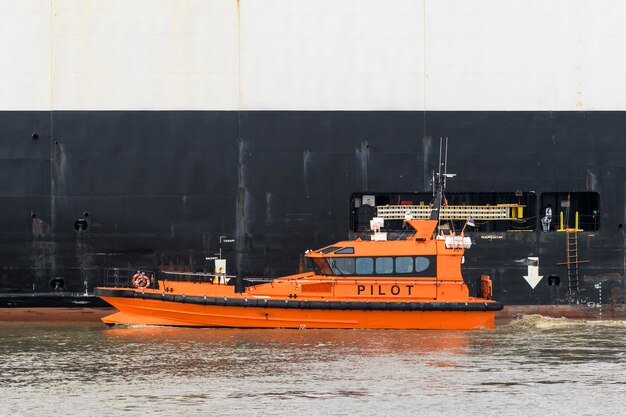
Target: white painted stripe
<point>346,55</point>
<point>312,55</point>
<point>25,55</point>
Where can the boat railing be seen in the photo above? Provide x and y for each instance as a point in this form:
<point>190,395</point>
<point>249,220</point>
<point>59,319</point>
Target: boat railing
<point>190,276</point>
<point>210,277</point>
<point>124,278</point>
<point>129,278</point>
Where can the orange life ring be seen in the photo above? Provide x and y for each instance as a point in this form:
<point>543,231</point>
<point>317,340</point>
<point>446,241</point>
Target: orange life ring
<point>141,280</point>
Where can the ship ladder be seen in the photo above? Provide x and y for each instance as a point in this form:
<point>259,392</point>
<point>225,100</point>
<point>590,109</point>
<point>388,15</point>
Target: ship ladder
<point>572,260</point>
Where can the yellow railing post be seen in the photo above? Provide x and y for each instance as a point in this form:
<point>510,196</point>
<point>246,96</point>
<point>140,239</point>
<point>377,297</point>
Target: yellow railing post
<point>577,229</point>
<point>561,229</point>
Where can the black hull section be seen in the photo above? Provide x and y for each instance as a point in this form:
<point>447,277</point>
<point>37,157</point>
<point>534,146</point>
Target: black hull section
<point>306,305</point>
<point>158,190</point>
<point>51,300</point>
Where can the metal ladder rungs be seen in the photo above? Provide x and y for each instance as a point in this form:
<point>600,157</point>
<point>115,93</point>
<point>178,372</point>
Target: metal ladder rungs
<point>571,252</point>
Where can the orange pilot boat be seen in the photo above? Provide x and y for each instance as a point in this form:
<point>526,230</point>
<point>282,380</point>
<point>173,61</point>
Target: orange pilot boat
<point>409,283</point>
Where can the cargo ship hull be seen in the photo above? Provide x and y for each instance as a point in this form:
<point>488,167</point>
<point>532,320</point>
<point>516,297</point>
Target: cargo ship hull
<point>83,191</point>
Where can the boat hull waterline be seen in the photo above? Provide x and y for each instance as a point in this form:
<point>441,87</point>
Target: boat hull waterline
<point>145,310</point>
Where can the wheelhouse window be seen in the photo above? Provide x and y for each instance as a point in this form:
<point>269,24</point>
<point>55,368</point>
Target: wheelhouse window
<point>408,266</point>
<point>404,264</point>
<point>364,266</point>
<point>345,251</point>
<point>342,266</point>
<point>421,264</point>
<point>384,265</point>
<point>329,249</point>
<point>320,266</point>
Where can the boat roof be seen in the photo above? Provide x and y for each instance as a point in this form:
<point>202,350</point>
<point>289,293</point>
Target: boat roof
<point>424,230</point>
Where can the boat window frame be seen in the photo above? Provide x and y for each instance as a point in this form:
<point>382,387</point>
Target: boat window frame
<point>363,258</point>
<point>348,250</point>
<point>332,263</point>
<point>411,263</point>
<point>415,260</point>
<point>321,266</point>
<point>328,249</point>
<point>379,263</point>
<point>430,270</point>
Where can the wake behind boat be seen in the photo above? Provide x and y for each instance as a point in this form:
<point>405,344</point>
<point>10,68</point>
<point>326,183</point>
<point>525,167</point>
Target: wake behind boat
<point>410,283</point>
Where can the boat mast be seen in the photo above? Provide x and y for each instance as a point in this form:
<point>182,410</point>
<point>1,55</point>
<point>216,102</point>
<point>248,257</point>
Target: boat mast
<point>439,183</point>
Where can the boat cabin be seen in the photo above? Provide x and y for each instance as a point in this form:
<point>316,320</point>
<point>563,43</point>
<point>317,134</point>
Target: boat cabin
<point>421,254</point>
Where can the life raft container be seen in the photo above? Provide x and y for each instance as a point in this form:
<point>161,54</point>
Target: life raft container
<point>486,287</point>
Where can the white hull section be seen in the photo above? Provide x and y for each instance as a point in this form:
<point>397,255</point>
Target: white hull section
<point>312,55</point>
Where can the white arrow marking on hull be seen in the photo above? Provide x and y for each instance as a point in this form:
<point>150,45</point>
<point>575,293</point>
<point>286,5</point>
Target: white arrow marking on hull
<point>533,276</point>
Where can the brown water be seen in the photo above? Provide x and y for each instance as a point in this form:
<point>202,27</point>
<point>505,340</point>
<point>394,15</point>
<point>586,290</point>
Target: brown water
<point>535,366</point>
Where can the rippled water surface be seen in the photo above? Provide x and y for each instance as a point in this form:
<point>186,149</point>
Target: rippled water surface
<point>534,366</point>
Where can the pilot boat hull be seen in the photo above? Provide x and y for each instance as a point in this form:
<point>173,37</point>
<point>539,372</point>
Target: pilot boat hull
<point>152,308</point>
